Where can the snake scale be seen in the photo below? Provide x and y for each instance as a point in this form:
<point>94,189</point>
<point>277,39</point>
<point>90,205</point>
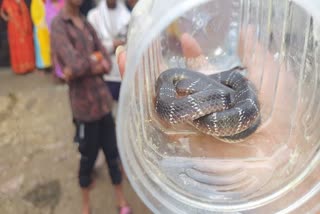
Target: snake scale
<point>224,105</point>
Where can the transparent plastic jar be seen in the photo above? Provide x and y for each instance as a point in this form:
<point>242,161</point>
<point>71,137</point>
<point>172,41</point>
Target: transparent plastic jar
<point>177,169</point>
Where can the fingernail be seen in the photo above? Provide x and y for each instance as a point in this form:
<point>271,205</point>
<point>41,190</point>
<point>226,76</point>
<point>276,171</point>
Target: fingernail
<point>119,50</point>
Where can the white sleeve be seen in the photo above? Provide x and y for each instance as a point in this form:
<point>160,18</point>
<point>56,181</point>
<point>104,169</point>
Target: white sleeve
<point>91,19</point>
<point>125,17</point>
<point>105,38</point>
<point>107,42</point>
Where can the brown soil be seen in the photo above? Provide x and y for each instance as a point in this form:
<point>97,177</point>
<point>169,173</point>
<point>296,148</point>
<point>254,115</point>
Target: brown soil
<point>38,160</point>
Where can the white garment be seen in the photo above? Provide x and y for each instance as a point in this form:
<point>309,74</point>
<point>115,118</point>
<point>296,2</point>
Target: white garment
<point>110,24</point>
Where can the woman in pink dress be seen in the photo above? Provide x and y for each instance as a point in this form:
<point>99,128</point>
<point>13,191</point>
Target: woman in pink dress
<point>53,7</point>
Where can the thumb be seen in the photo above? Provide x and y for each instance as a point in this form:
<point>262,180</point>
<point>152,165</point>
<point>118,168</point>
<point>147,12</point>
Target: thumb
<point>190,46</point>
<point>121,59</point>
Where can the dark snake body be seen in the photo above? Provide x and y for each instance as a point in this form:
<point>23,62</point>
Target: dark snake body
<point>224,105</point>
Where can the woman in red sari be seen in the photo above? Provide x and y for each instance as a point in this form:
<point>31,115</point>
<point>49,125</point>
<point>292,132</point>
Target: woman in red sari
<point>20,36</point>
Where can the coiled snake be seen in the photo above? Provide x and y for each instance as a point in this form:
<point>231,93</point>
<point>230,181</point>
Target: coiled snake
<point>224,105</point>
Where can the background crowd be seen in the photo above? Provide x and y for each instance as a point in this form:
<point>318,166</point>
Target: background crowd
<point>28,30</point>
<point>76,40</point>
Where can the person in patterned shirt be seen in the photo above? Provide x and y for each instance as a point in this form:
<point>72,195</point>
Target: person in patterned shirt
<point>84,61</point>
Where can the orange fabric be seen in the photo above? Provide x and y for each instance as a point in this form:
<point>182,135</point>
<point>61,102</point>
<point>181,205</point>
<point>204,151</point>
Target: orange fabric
<point>20,36</point>
<point>97,56</point>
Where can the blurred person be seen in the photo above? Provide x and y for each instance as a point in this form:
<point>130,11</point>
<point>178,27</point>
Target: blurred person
<point>52,8</point>
<point>84,61</point>
<point>130,4</point>
<point>110,19</point>
<point>40,35</point>
<point>20,37</point>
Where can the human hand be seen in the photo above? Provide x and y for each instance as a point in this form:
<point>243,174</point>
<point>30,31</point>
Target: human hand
<point>5,16</point>
<point>121,59</point>
<point>190,49</point>
<point>67,72</point>
<point>99,68</point>
<point>106,65</point>
<point>97,57</point>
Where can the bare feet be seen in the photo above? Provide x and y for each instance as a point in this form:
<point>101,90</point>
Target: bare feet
<point>125,210</point>
<point>86,198</point>
<point>85,201</point>
<point>121,200</point>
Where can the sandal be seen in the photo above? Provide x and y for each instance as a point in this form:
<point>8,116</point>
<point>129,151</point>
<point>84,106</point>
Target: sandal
<point>125,210</point>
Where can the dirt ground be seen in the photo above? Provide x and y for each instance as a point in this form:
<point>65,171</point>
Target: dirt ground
<point>38,160</point>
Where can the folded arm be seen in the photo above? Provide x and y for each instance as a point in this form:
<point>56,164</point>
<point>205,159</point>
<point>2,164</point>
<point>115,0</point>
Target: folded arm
<point>79,64</point>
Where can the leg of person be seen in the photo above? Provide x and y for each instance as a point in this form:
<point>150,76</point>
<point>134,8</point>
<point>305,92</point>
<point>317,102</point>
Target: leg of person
<point>88,148</point>
<point>109,146</point>
<point>76,138</point>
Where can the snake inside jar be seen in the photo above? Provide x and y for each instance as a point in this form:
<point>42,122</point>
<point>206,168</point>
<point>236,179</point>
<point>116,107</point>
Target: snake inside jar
<point>224,105</point>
